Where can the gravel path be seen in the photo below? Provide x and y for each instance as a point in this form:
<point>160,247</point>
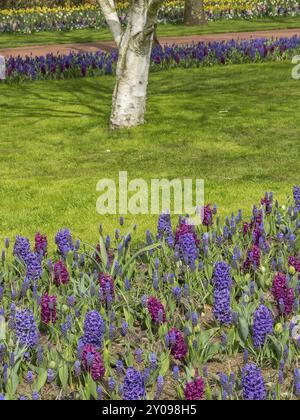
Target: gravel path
<point>108,45</point>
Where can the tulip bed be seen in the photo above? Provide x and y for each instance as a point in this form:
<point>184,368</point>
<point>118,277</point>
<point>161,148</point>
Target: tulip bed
<point>89,16</point>
<point>197,55</point>
<point>192,313</point>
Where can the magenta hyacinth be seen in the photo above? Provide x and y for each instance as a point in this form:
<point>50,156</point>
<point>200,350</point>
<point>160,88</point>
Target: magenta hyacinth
<point>60,273</point>
<point>156,310</point>
<point>178,345</point>
<point>283,295</point>
<point>253,258</point>
<point>92,362</point>
<point>194,390</point>
<point>208,216</point>
<point>295,262</point>
<point>48,307</point>
<point>41,244</point>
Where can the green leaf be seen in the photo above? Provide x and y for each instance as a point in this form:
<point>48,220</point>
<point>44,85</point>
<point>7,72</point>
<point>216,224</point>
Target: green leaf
<point>165,364</point>
<point>243,329</point>
<point>64,375</point>
<point>42,378</point>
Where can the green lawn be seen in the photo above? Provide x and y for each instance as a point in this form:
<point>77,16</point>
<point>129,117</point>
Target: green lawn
<point>90,35</point>
<point>238,127</point>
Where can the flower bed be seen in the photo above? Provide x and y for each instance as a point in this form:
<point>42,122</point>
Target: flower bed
<point>89,16</point>
<point>204,313</point>
<point>214,53</point>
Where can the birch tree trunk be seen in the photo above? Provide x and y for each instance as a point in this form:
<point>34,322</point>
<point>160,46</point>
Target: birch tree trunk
<point>135,45</point>
<point>194,13</point>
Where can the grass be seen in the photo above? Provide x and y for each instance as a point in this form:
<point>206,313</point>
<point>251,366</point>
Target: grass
<point>237,127</point>
<point>90,35</point>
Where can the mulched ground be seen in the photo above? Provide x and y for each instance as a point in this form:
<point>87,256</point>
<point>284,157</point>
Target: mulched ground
<point>108,45</point>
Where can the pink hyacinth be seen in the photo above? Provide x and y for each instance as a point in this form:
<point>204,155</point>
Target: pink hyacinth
<point>48,308</point>
<point>106,284</point>
<point>194,391</point>
<point>60,274</point>
<point>92,362</point>
<point>156,309</point>
<point>283,295</point>
<point>177,343</point>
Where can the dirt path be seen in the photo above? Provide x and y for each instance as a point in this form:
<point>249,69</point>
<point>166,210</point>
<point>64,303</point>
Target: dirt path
<point>108,45</point>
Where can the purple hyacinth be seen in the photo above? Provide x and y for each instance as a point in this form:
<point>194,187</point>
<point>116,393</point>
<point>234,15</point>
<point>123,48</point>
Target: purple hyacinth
<point>253,258</point>
<point>41,244</point>
<point>94,329</point>
<point>253,384</point>
<point>178,345</point>
<point>208,216</point>
<point>92,362</point>
<point>34,266</point>
<point>107,286</point>
<point>60,274</point>
<point>194,390</point>
<point>134,387</point>
<point>222,300</point>
<point>21,248</point>
<point>283,295</point>
<point>164,228</point>
<point>263,325</point>
<point>48,309</point>
<point>26,330</point>
<point>156,310</point>
<point>64,241</point>
<point>296,194</point>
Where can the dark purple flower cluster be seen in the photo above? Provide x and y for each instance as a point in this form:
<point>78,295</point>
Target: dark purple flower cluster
<point>194,390</point>
<point>64,241</point>
<point>253,259</point>
<point>94,329</point>
<point>222,286</point>
<point>156,310</point>
<point>26,330</point>
<point>92,362</point>
<point>253,384</point>
<point>48,309</point>
<point>295,262</point>
<point>134,387</point>
<point>41,244</point>
<point>177,343</point>
<point>107,286</point>
<point>296,193</point>
<point>267,202</point>
<point>207,216</point>
<point>283,294</point>
<point>60,274</point>
<point>164,229</point>
<point>21,248</point>
<point>262,326</point>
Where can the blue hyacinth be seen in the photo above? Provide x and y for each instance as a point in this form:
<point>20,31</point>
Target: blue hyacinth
<point>253,384</point>
<point>262,326</point>
<point>134,387</point>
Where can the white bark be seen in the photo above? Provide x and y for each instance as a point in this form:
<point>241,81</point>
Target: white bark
<point>135,44</point>
<point>112,19</point>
